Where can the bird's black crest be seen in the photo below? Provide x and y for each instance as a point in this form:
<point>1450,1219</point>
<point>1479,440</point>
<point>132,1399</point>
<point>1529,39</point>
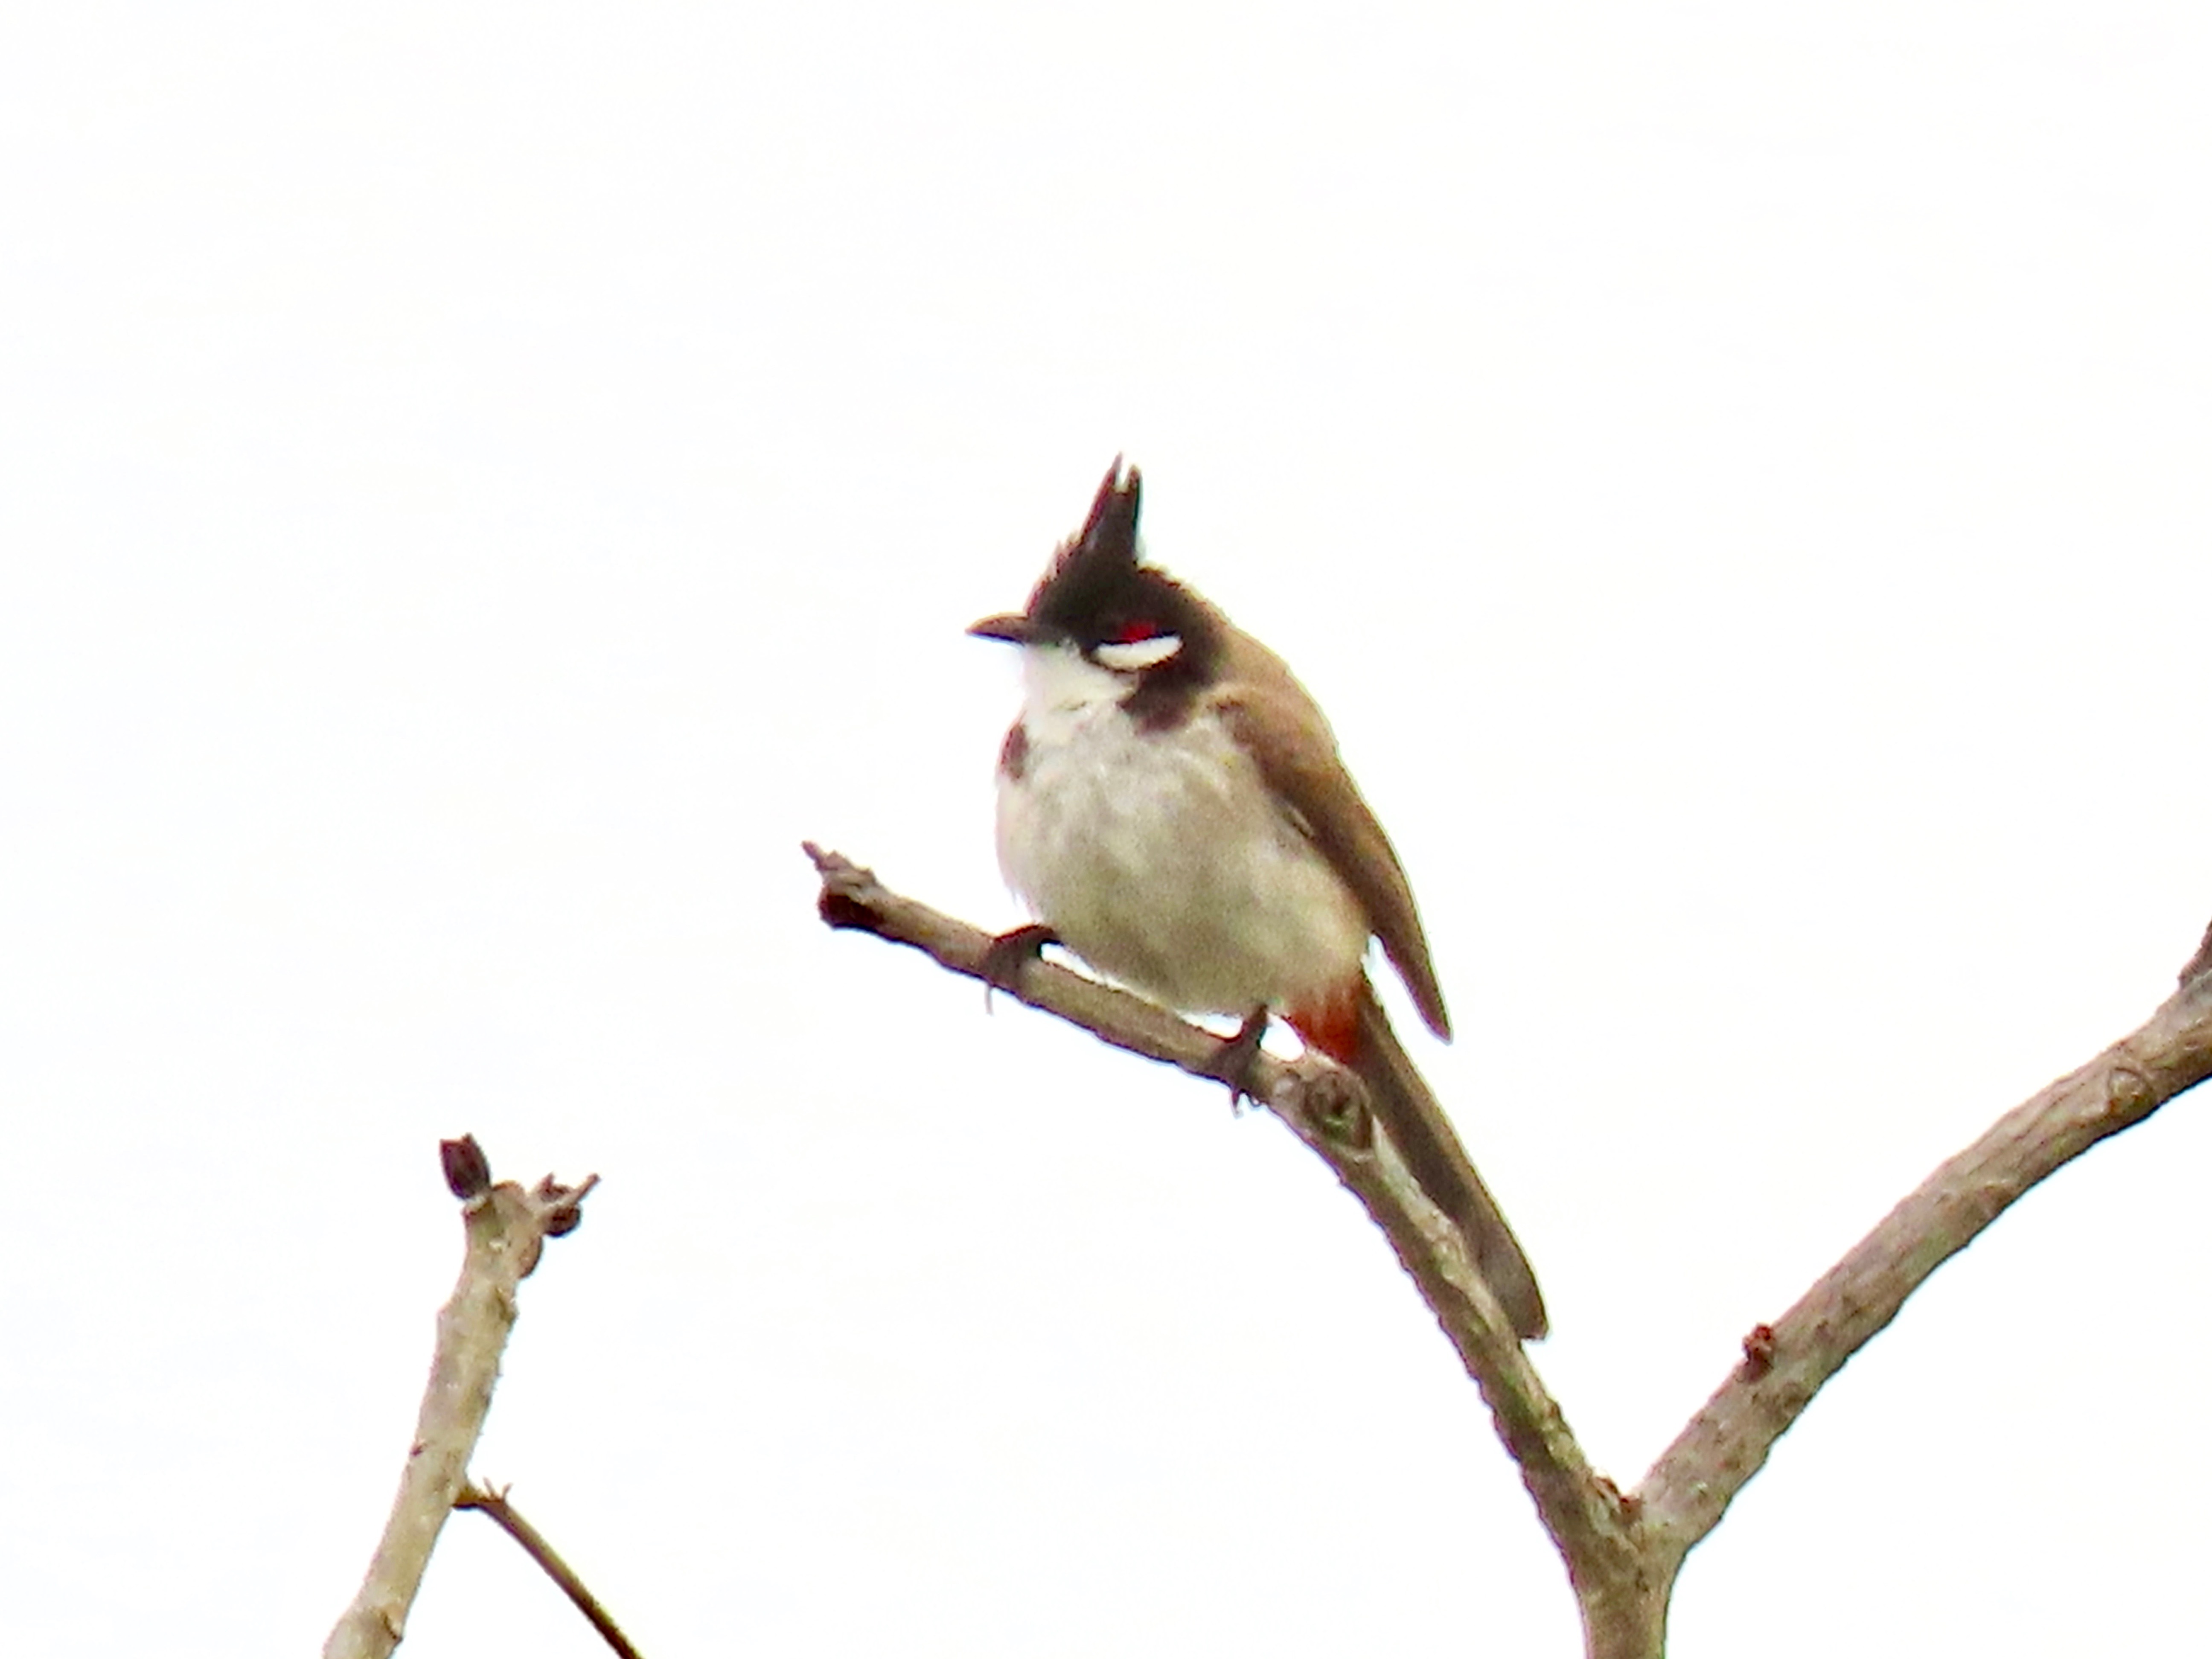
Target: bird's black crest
<point>1097,590</point>
<point>1096,568</point>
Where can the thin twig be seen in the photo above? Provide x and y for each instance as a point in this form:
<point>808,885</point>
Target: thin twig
<point>495,1504</point>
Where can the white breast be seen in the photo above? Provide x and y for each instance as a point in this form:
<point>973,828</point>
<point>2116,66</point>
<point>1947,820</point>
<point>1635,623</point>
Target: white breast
<point>1161,859</point>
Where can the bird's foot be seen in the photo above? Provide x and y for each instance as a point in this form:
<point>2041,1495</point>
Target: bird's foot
<point>1005,957</point>
<point>1232,1061</point>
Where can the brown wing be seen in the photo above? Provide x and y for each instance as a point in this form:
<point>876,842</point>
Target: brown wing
<point>1274,718</point>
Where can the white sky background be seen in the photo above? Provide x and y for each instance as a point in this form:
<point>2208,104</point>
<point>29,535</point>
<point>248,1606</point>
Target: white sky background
<point>479,484</point>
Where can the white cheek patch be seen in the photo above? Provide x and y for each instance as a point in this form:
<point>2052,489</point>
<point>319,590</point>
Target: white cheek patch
<point>1065,690</point>
<point>1137,654</point>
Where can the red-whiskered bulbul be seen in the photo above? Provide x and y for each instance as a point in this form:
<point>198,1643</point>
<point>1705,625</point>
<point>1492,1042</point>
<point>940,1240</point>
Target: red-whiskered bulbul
<point>1172,807</point>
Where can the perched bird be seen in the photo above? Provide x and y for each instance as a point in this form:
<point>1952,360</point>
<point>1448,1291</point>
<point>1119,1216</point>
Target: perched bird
<point>1173,809</point>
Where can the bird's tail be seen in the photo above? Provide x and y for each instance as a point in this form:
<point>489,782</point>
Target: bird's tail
<point>1426,1139</point>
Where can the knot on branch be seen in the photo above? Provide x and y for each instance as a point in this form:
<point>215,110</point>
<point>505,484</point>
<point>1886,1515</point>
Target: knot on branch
<point>1331,1098</point>
<point>2128,1093</point>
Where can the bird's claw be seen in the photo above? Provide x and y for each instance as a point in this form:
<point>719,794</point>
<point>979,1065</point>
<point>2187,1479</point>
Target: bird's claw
<point>1232,1061</point>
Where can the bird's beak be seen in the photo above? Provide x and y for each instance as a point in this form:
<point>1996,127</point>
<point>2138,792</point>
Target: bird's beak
<point>1014,629</point>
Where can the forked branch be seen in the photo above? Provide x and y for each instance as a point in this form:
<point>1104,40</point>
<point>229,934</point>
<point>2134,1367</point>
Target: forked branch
<point>507,1228</point>
<point>1622,1553</point>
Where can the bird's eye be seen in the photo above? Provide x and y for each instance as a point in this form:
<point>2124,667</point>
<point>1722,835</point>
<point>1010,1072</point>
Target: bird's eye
<point>1146,650</point>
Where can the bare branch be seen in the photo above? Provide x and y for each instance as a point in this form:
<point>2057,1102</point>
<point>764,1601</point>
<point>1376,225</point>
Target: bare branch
<point>507,1228</point>
<point>1325,1106</point>
<point>853,898</point>
<point>510,1521</point>
<point>1692,1483</point>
